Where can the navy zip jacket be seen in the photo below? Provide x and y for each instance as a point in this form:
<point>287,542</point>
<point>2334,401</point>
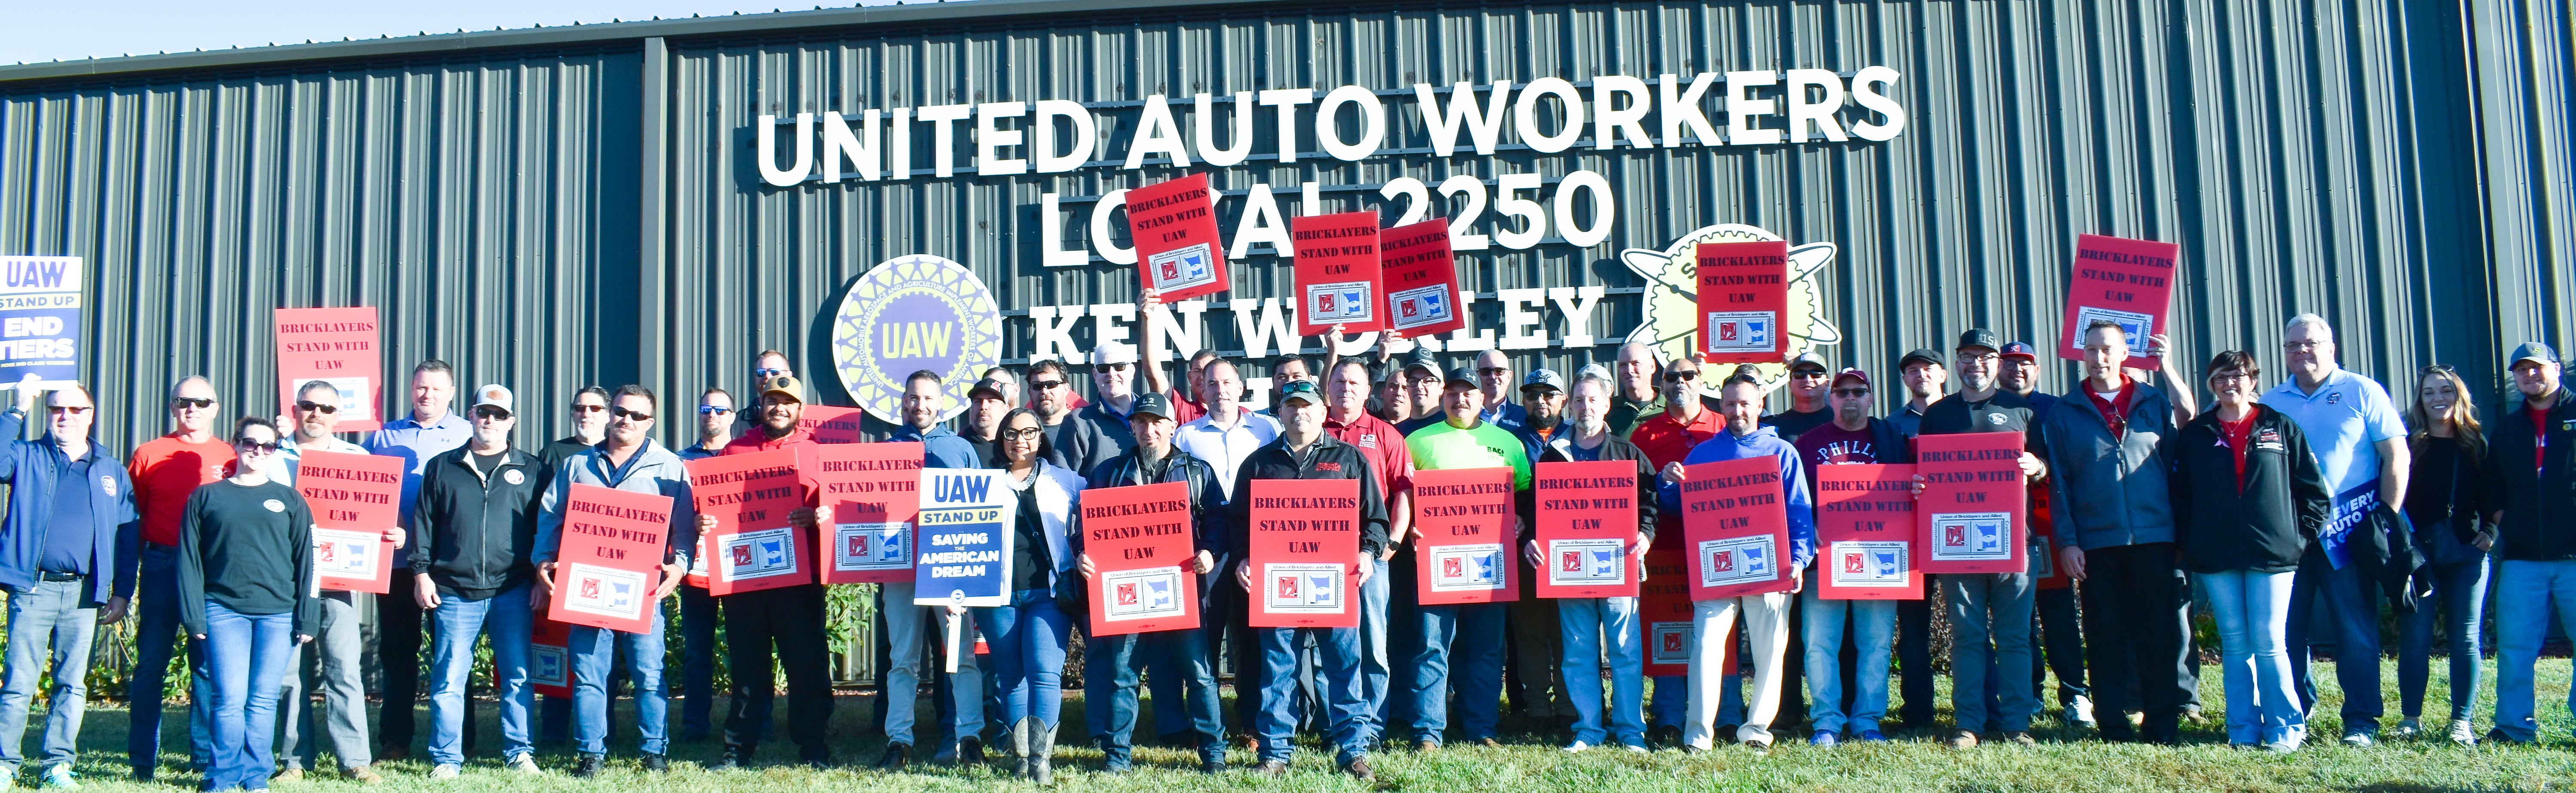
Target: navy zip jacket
<point>29,468</point>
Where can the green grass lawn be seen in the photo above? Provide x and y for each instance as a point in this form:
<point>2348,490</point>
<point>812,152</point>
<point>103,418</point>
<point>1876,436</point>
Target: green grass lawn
<point>2064,762</point>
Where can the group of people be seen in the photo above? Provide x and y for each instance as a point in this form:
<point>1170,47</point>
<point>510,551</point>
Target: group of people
<point>2315,496</point>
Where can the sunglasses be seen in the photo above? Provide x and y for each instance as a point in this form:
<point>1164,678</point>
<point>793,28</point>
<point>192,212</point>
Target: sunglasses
<point>71,409</point>
<point>1043,385</point>
<point>581,408</point>
<point>189,402</point>
<point>1494,371</point>
<point>1851,392</point>
<point>1806,374</point>
<point>712,410</point>
<point>767,373</point>
<point>1681,375</point>
<point>310,406</point>
<point>270,447</point>
<point>1114,367</point>
<point>490,412</point>
<point>632,415</point>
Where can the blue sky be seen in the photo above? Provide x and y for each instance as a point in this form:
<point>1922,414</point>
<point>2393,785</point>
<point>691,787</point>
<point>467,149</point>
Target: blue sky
<point>46,30</point>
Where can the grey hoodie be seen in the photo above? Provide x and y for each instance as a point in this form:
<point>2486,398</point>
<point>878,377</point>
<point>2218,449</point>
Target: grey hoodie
<point>2106,492</point>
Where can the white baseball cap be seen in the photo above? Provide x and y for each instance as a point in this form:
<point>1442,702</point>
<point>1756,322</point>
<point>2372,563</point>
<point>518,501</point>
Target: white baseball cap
<point>496,396</point>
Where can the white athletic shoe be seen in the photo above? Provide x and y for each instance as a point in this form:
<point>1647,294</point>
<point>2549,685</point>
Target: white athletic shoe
<point>1576,747</point>
<point>443,771</point>
<point>2463,734</point>
<point>526,764</point>
<point>2080,711</point>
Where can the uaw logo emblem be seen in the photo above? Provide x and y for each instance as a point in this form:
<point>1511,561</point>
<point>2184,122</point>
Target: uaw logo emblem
<point>1672,296</point>
<point>908,314</point>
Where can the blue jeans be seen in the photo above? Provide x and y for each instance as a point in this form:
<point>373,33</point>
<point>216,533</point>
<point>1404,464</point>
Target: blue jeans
<point>1873,626</point>
<point>593,652</point>
<point>1374,671</point>
<point>1339,651</point>
<point>1027,640</point>
<point>1403,644</point>
<point>157,621</point>
<point>244,657</point>
<point>49,622</point>
<point>2461,590</point>
<point>2352,610</point>
<point>1473,634</point>
<point>2525,595</point>
<point>459,621</point>
<point>2254,611</point>
<point>1110,666</point>
<point>1589,628</point>
<point>1990,615</point>
<point>1671,702</point>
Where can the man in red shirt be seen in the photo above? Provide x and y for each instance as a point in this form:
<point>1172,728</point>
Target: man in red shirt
<point>791,618</point>
<point>1666,438</point>
<point>1346,418</point>
<point>165,471</point>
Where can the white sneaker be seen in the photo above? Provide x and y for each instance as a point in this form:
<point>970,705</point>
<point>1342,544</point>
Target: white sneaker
<point>2463,734</point>
<point>2408,728</point>
<point>2358,739</point>
<point>443,771</point>
<point>2081,711</point>
<point>1576,747</point>
<point>1637,749</point>
<point>525,764</point>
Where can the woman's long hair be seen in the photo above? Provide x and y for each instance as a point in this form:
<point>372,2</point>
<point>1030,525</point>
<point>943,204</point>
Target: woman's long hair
<point>1045,450</point>
<point>2464,416</point>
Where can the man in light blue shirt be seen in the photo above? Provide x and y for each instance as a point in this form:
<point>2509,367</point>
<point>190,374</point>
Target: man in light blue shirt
<point>429,431</point>
<point>2360,443</point>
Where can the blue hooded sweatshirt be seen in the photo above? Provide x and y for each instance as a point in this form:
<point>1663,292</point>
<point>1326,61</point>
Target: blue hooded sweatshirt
<point>1793,481</point>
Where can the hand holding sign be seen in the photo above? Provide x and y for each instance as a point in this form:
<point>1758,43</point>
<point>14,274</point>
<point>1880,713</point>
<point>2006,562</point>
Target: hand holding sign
<point>1137,555</point>
<point>1173,226</point>
<point>2126,281</point>
<point>1462,517</point>
<point>1735,522</point>
<point>755,543</point>
<point>355,500</point>
<point>336,346</point>
<point>1973,504</point>
<point>612,569</point>
<point>1337,272</point>
<point>1865,531</point>
<point>1743,290</point>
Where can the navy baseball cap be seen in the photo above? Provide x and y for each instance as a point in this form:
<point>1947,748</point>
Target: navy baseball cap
<point>2020,349</point>
<point>1464,374</point>
<point>2531,351</point>
<point>1151,403</point>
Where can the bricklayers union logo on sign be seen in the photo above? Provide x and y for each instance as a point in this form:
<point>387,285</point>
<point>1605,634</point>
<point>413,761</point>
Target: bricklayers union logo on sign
<point>908,314</point>
<point>1672,296</point>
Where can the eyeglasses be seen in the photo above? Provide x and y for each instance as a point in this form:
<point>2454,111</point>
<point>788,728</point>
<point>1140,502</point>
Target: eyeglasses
<point>2301,346</point>
<point>713,410</point>
<point>270,447</point>
<point>632,415</point>
<point>1851,392</point>
<point>309,406</point>
<point>582,408</point>
<point>1043,385</point>
<point>2230,375</point>
<point>490,412</point>
<point>191,402</point>
<point>1428,378</point>
<point>1025,434</point>
<point>1681,375</point>
<point>71,409</point>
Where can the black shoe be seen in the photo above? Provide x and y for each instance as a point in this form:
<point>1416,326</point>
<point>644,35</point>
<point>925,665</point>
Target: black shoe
<point>1212,767</point>
<point>897,755</point>
<point>1359,769</point>
<point>734,757</point>
<point>970,751</point>
<point>1666,735</point>
<point>589,767</point>
<point>657,764</point>
<point>1271,768</point>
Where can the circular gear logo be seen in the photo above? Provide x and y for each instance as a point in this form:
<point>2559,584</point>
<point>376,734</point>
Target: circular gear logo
<point>1672,295</point>
<point>908,314</point>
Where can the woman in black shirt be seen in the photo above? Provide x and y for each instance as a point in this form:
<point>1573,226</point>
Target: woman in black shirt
<point>246,593</point>
<point>2443,505</point>
<point>1028,636</point>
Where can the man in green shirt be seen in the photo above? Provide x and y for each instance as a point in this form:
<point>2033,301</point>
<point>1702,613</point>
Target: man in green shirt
<point>1460,440</point>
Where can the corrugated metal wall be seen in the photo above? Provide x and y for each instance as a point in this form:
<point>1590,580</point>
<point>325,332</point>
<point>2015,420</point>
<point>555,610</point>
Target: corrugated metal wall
<point>2280,143</point>
<point>463,196</point>
<point>2308,156</point>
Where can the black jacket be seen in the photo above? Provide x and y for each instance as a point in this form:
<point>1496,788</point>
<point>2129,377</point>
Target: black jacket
<point>1328,458</point>
<point>1616,448</point>
<point>2262,527</point>
<point>1207,495</point>
<point>2538,503</point>
<point>475,532</point>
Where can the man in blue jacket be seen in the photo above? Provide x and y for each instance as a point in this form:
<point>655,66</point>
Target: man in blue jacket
<point>1766,616</point>
<point>70,543</point>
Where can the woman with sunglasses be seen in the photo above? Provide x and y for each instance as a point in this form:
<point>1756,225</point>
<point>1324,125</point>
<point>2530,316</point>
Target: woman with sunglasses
<point>245,582</point>
<point>2443,503</point>
<point>2248,497</point>
<point>1028,636</point>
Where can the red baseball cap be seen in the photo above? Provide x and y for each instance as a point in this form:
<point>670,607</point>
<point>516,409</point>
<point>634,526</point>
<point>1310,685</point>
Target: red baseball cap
<point>1853,373</point>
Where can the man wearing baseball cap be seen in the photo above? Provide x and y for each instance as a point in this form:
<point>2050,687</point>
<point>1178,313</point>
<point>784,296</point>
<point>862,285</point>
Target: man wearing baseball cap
<point>2058,643</point>
<point>473,572</point>
<point>1926,379</point>
<point>1460,646</point>
<point>1808,406</point>
<point>1537,644</point>
<point>1848,703</point>
<point>1112,663</point>
<point>986,403</point>
<point>1422,376</point>
<point>1989,608</point>
<point>1384,606</point>
<point>2531,463</point>
<point>789,618</point>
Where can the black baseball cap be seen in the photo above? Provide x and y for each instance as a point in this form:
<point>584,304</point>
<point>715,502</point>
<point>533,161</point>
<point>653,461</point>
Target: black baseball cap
<point>1422,359</point>
<point>1300,389</point>
<point>1151,403</point>
<point>1979,337</point>
<point>1463,374</point>
<point>1924,354</point>
<point>986,385</point>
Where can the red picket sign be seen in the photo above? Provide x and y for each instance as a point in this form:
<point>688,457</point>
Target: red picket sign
<point>1305,553</point>
<point>1462,526</point>
<point>549,658</point>
<point>1173,224</point>
<point>2122,280</point>
<point>752,546</point>
<point>1664,610</point>
<point>1865,533</point>
<point>1420,276</point>
<point>610,562</point>
<point>1139,539</point>
<point>874,490</point>
<point>355,498</point>
<point>1736,522</point>
<point>339,346</point>
<point>1974,509</point>
<point>1337,272</point>
<point>1743,289</point>
<point>832,424</point>
<point>1587,516</point>
<point>2043,566</point>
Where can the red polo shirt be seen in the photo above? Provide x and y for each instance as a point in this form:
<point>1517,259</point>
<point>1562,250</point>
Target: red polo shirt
<point>1666,440</point>
<point>1384,447</point>
<point>165,471</point>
